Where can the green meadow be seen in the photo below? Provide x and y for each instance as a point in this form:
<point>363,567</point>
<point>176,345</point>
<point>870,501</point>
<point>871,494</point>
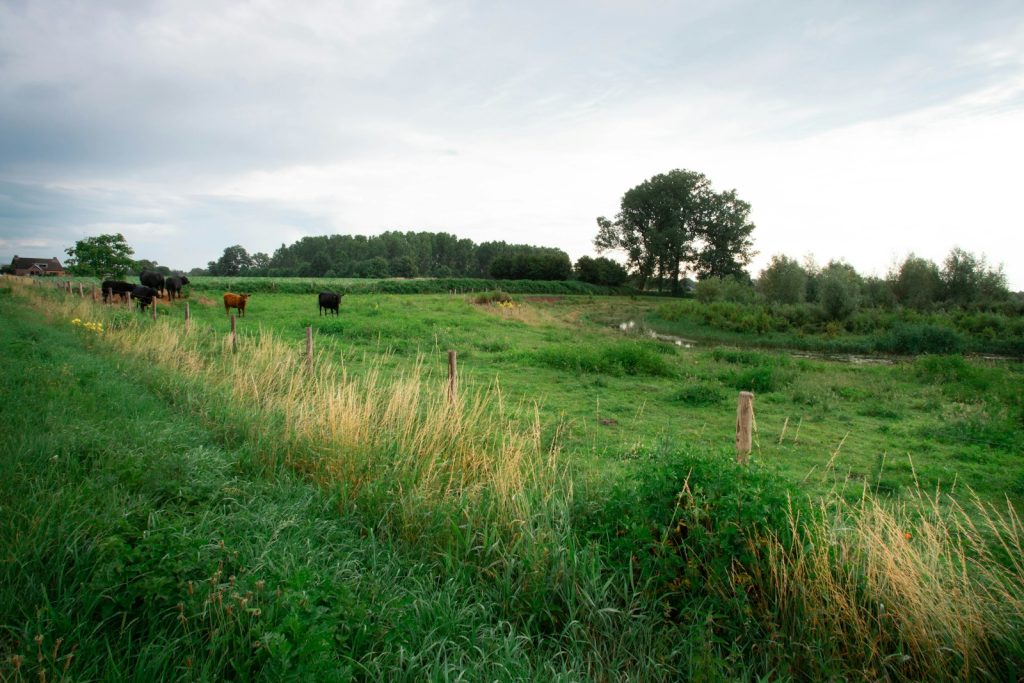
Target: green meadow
<point>180,507</point>
<point>605,393</point>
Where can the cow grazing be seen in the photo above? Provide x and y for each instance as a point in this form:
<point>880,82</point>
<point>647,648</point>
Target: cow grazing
<point>236,301</point>
<point>173,286</point>
<point>112,287</point>
<point>144,295</point>
<point>329,301</point>
<point>151,278</point>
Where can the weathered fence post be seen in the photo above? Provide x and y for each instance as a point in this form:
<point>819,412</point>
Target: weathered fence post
<point>744,426</point>
<point>81,290</point>
<point>128,301</point>
<point>153,307</point>
<point>309,348</point>
<point>94,293</point>
<point>186,316</point>
<point>453,377</point>
<point>234,335</point>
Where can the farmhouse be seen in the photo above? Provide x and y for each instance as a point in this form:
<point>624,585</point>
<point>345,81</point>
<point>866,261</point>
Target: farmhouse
<point>31,265</point>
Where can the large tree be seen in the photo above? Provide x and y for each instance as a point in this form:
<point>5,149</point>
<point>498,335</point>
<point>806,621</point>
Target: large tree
<point>917,283</point>
<point>783,281</point>
<point>724,244</point>
<point>101,256</point>
<point>675,222</point>
<point>232,262</point>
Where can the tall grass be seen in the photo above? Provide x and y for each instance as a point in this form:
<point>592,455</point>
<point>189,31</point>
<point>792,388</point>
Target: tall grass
<point>395,442</point>
<point>928,590</point>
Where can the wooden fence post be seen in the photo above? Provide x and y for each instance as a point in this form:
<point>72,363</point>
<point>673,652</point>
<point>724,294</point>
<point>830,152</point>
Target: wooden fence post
<point>153,308</point>
<point>94,293</point>
<point>186,316</point>
<point>453,377</point>
<point>744,426</point>
<point>234,335</point>
<point>309,348</point>
<point>129,301</point>
<point>81,290</point>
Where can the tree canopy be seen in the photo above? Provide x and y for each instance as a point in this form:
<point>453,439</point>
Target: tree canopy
<point>675,222</point>
<point>233,261</point>
<point>100,256</point>
<point>397,254</point>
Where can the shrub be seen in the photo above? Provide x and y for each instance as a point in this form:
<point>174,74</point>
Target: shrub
<point>759,379</point>
<point>496,297</point>
<point>699,394</point>
<point>625,358</point>
<point>688,523</point>
<point>913,339</point>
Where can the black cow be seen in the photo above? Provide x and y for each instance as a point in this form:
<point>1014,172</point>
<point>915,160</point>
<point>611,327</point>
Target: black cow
<point>173,286</point>
<point>151,278</point>
<point>329,301</point>
<point>111,287</point>
<point>144,295</point>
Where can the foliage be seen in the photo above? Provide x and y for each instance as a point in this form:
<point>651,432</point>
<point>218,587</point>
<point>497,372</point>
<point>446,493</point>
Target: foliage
<point>675,221</point>
<point>494,297</point>
<point>732,288</point>
<point>390,286</point>
<point>967,278</point>
<point>102,256</point>
<point>600,271</point>
<point>622,358</point>
<point>700,394</point>
<point>233,261</point>
<point>917,283</point>
<point>912,339</point>
<point>784,281</point>
<point>408,254</point>
<point>759,372</point>
<point>535,264</point>
<point>146,264</point>
<point>838,290</point>
<point>688,524</point>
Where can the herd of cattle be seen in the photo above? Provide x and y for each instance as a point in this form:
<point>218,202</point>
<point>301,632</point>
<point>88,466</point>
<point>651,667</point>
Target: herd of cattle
<point>154,285</point>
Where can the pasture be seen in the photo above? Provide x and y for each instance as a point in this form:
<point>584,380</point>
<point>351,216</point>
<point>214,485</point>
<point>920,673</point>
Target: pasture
<point>606,395</point>
<point>224,511</point>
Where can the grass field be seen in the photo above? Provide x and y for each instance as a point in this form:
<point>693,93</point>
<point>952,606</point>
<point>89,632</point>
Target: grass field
<point>605,395</point>
<point>576,515</point>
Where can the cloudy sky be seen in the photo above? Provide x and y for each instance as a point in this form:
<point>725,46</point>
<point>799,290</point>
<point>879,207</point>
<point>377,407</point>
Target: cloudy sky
<point>857,130</point>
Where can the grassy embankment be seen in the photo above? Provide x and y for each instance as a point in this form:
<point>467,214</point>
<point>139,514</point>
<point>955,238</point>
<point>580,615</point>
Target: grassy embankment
<point>482,507</point>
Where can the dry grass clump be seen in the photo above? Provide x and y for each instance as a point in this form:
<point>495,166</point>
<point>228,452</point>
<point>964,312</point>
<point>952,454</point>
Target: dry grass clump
<point>927,590</point>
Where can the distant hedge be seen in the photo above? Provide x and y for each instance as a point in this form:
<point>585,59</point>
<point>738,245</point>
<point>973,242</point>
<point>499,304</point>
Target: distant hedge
<point>397,286</point>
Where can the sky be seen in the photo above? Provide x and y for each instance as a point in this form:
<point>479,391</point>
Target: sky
<point>862,131</point>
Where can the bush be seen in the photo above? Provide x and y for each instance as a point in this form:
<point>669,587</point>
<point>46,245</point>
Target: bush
<point>625,358</point>
<point>689,523</point>
<point>496,297</point>
<point>700,394</point>
<point>600,271</point>
<point>916,339</point>
<point>760,379</point>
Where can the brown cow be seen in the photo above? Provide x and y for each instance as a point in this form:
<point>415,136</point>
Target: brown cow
<point>235,301</point>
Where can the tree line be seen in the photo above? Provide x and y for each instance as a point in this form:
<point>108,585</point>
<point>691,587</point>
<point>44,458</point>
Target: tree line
<point>413,254</point>
<point>963,280</point>
<point>668,227</point>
